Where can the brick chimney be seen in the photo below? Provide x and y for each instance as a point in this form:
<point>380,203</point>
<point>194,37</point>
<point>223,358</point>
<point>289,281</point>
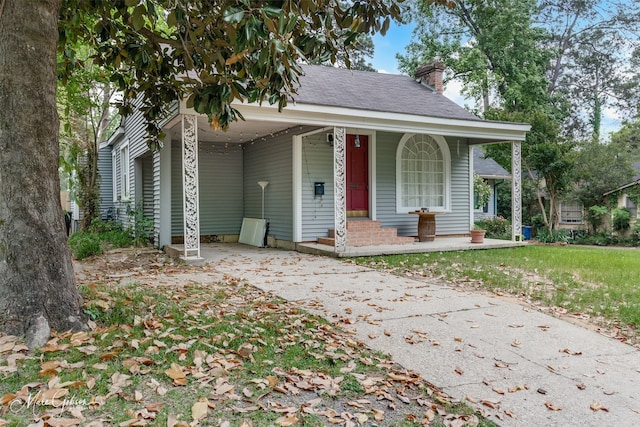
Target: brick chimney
<point>431,75</point>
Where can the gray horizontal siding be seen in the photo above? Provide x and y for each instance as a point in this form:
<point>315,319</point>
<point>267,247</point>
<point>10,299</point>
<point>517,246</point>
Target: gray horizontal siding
<point>221,185</point>
<point>271,160</point>
<point>156,198</point>
<point>135,133</point>
<point>177,225</point>
<point>455,222</point>
<point>145,200</point>
<point>317,166</point>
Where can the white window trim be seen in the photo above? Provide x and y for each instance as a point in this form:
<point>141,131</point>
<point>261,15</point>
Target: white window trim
<point>563,210</point>
<point>446,156</point>
<point>114,176</point>
<point>125,173</point>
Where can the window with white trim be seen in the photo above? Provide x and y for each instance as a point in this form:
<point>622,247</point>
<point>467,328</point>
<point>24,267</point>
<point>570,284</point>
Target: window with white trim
<point>571,212</point>
<point>124,172</point>
<point>422,173</point>
<point>114,176</point>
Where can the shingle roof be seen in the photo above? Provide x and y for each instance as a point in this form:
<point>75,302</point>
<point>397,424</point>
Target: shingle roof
<point>364,90</point>
<point>487,167</point>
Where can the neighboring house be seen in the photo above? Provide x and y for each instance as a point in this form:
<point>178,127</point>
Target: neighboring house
<point>493,174</point>
<point>355,150</point>
<point>628,196</point>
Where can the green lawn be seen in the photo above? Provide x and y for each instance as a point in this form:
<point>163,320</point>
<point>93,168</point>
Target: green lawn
<point>601,282</point>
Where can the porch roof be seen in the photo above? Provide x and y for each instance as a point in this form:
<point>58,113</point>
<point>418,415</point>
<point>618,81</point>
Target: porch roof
<point>487,167</point>
<point>370,91</point>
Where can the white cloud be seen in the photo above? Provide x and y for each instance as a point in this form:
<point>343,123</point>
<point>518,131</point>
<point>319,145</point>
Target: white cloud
<point>453,91</point>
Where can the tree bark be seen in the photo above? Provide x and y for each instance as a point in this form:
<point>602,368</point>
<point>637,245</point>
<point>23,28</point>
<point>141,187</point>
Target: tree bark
<point>37,286</point>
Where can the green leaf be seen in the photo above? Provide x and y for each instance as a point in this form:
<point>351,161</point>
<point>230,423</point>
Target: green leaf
<point>137,18</point>
<point>172,21</point>
<point>271,11</point>
<point>233,15</point>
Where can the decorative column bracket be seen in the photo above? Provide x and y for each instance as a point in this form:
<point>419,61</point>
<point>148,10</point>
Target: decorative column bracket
<point>516,190</point>
<point>340,188</point>
<point>190,189</point>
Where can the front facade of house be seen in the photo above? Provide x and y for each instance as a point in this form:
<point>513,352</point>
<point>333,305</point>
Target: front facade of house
<point>352,146</point>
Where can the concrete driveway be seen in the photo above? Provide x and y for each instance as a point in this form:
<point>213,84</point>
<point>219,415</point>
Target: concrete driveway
<point>516,365</point>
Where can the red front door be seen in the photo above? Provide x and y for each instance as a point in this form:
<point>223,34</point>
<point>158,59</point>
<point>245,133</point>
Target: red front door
<point>357,175</point>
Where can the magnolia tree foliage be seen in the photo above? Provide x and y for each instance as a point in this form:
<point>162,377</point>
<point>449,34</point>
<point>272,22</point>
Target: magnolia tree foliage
<point>213,53</point>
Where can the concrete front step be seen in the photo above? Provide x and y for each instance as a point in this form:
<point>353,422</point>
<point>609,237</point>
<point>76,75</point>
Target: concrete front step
<point>330,241</point>
<point>368,233</point>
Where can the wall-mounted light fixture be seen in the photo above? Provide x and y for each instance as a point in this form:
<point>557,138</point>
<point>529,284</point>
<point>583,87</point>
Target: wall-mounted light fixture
<point>356,142</point>
<point>330,139</point>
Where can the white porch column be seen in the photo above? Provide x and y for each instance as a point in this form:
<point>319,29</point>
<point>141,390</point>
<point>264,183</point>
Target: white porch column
<point>339,188</point>
<point>516,190</point>
<point>297,188</point>
<point>164,208</point>
<point>191,207</point>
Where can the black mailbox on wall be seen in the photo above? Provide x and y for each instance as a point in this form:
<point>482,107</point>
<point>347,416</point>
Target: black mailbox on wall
<point>318,188</point>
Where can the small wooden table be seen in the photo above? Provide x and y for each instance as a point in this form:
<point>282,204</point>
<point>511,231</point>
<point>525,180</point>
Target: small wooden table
<point>426,225</point>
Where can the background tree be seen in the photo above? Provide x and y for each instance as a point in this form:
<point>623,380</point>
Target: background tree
<point>556,64</point>
<point>585,51</point>
<point>210,53</point>
<point>600,168</point>
<point>593,43</point>
<point>627,140</point>
<point>88,118</point>
<point>491,47</point>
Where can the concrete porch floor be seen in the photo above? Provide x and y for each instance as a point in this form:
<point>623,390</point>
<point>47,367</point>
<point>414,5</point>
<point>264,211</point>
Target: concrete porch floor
<point>440,244</point>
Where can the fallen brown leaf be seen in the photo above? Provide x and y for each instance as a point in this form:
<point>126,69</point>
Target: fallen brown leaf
<point>550,406</point>
<point>289,420</point>
<point>597,406</point>
<point>63,422</point>
<point>200,409</point>
<point>490,403</point>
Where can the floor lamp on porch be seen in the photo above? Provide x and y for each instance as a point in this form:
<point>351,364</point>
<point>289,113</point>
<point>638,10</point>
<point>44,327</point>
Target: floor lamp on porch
<point>263,184</point>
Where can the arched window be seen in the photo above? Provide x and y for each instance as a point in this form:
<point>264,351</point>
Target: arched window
<point>422,173</point>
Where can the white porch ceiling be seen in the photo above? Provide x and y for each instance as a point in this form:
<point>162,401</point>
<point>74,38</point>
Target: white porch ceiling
<point>238,132</point>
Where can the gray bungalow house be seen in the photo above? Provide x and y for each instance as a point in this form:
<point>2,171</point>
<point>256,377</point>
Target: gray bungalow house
<point>347,161</point>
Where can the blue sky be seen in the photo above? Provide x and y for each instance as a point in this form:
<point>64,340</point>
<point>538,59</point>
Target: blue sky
<point>396,39</point>
<point>387,46</point>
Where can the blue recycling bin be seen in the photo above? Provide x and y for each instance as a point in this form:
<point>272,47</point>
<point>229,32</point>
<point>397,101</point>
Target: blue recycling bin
<point>526,232</point>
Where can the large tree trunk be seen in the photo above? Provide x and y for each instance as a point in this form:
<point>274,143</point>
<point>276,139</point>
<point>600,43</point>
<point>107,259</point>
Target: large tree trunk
<point>37,285</point>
